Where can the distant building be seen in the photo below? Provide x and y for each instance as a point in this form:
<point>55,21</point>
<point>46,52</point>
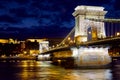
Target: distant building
<point>27,47</point>
<point>10,40</point>
<point>38,40</point>
<point>3,40</point>
<point>35,46</point>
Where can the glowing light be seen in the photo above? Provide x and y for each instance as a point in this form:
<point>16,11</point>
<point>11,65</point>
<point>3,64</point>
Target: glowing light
<point>68,38</point>
<point>75,52</point>
<point>89,32</point>
<point>25,52</point>
<point>57,45</point>
<point>53,46</point>
<point>89,8</point>
<point>40,57</point>
<point>118,33</point>
<point>83,39</point>
<point>47,55</point>
<point>91,56</point>
<point>3,41</point>
<point>71,41</point>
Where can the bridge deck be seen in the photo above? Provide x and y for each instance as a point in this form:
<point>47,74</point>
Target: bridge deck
<point>105,41</point>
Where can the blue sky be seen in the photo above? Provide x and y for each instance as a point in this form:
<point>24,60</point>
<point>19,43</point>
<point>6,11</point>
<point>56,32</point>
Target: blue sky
<point>45,18</point>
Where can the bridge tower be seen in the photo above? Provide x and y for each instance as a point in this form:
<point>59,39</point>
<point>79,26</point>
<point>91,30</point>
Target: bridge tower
<point>43,46</point>
<point>85,27</point>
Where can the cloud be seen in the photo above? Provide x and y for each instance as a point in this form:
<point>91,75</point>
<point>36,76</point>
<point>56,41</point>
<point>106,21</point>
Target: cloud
<point>30,22</point>
<point>117,4</point>
<point>21,12</point>
<point>8,19</point>
<point>1,7</point>
<point>6,4</point>
<point>113,9</point>
<point>26,23</point>
<point>68,24</point>
<point>47,17</point>
<point>22,1</point>
<point>46,12</point>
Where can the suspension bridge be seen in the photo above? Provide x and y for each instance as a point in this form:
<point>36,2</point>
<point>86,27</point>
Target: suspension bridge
<point>91,42</point>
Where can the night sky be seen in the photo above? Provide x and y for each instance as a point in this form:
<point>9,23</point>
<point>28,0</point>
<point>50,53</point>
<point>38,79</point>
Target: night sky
<point>21,19</point>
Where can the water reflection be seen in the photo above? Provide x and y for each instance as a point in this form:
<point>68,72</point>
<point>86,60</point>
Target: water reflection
<point>116,69</point>
<point>36,70</point>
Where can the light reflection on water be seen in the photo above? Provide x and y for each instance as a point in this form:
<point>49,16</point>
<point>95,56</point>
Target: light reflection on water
<point>36,70</point>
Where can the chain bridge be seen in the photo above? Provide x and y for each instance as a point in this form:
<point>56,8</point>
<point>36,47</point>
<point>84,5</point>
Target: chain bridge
<point>92,42</point>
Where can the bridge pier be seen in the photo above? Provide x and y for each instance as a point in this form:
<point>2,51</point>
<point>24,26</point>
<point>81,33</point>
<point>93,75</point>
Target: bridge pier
<point>85,57</point>
<point>63,58</point>
<point>82,57</point>
<point>86,29</point>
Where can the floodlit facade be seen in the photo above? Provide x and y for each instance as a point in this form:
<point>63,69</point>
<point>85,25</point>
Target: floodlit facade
<point>10,40</point>
<point>3,41</point>
<point>91,56</point>
<point>82,15</point>
<point>86,28</point>
<point>38,40</point>
<point>43,46</point>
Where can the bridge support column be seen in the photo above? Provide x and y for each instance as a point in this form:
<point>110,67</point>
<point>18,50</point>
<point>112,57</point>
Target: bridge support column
<point>82,15</point>
<point>63,58</point>
<point>91,57</point>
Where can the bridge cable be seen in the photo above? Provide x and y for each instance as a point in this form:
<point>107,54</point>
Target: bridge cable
<point>67,36</point>
<point>104,20</point>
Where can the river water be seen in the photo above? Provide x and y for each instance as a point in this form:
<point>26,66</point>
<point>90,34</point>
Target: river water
<point>37,70</point>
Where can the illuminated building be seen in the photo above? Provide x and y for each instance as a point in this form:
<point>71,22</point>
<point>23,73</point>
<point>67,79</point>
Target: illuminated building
<point>10,40</point>
<point>3,40</point>
<point>38,40</point>
<point>35,46</point>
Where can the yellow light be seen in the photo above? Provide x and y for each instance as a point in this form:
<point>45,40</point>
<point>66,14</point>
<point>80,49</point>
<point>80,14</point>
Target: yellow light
<point>89,32</point>
<point>118,33</point>
<point>57,45</point>
<point>71,41</point>
<point>25,52</point>
<point>68,38</point>
<point>53,46</point>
